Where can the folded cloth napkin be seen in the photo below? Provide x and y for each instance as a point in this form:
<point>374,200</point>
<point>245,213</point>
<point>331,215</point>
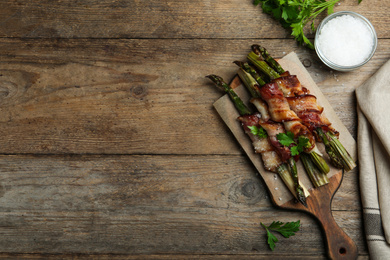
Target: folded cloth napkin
<point>373,107</point>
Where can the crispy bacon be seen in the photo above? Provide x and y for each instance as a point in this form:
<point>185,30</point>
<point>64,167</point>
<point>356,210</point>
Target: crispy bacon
<point>263,146</point>
<point>271,161</point>
<point>262,107</point>
<point>279,110</point>
<point>308,110</point>
<point>304,104</point>
<point>278,106</point>
<point>273,129</point>
<point>260,144</point>
<point>290,86</point>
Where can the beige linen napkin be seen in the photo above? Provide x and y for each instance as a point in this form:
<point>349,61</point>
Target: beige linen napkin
<point>373,107</point>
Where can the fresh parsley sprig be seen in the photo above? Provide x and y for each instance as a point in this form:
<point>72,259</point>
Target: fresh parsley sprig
<point>259,131</point>
<point>285,229</point>
<point>287,139</point>
<point>296,14</point>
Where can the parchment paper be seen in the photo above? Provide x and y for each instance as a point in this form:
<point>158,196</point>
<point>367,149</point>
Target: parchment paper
<point>225,108</point>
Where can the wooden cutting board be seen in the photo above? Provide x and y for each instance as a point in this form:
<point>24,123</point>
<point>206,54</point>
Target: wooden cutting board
<point>339,244</point>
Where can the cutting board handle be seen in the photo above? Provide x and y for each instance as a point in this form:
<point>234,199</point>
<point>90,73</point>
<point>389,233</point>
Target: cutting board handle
<point>339,244</point>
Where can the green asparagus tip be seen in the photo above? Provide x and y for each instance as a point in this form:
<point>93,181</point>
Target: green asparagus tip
<point>302,197</point>
<point>256,49</point>
<point>216,79</point>
<point>249,82</point>
<point>219,82</point>
<point>298,188</point>
<point>271,61</point>
<point>239,63</point>
<point>238,103</point>
<point>258,62</point>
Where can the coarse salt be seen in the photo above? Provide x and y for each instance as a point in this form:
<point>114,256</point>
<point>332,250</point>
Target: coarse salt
<point>346,40</point>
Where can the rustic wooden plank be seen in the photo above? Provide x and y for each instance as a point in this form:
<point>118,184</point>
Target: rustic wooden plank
<point>137,96</point>
<point>157,19</point>
<point>198,196</point>
<point>165,256</point>
<point>148,205</point>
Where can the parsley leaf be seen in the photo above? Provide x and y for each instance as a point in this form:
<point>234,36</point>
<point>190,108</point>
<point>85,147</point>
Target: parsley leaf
<point>294,150</point>
<point>259,131</point>
<point>303,142</point>
<point>272,240</point>
<point>287,139</point>
<point>287,230</point>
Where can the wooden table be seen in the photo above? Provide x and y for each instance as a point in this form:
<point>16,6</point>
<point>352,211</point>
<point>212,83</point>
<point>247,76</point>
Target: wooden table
<point>111,147</point>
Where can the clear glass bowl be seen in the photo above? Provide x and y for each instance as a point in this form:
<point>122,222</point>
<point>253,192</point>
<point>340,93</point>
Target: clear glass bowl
<point>333,65</point>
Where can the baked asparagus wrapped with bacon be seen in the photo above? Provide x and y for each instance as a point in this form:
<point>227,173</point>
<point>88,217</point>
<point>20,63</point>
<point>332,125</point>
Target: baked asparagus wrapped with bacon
<point>303,103</point>
<point>275,157</point>
<point>317,177</point>
<point>305,107</point>
<point>280,111</point>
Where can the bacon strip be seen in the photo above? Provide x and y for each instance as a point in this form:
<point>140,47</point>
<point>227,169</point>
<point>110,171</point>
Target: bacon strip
<point>273,129</point>
<point>290,85</point>
<point>262,107</point>
<point>263,146</point>
<point>304,104</point>
<point>278,107</point>
<point>279,110</point>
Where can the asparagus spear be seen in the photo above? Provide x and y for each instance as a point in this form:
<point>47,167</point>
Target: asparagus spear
<point>299,191</point>
<point>262,65</point>
<point>248,75</point>
<point>248,68</point>
<point>268,58</point>
<point>338,148</point>
<point>298,187</point>
<point>338,155</point>
<point>291,180</point>
<point>318,177</point>
<point>239,104</point>
<point>334,157</point>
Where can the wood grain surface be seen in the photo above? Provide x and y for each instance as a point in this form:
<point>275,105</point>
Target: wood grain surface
<point>111,147</point>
